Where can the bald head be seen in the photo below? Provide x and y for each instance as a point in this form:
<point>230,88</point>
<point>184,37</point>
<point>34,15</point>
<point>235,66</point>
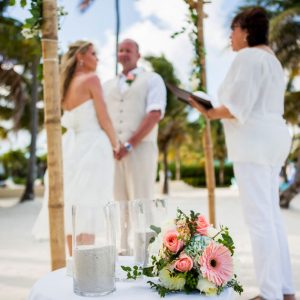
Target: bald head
<point>128,55</point>
<point>133,42</point>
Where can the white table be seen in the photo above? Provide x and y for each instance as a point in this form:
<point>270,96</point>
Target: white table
<point>58,286</point>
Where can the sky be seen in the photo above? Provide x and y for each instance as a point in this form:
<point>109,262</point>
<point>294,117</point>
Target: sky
<point>151,23</point>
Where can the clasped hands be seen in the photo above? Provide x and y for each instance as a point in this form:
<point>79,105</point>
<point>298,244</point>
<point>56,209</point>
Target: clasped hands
<point>120,151</point>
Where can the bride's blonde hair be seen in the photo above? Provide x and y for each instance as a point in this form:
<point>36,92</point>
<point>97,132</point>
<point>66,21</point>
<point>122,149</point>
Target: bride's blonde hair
<point>69,63</point>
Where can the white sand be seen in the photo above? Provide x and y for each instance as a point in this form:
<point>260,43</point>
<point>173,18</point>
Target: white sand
<point>94,270</point>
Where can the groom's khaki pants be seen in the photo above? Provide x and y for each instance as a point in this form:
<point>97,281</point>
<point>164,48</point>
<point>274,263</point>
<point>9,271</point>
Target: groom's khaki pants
<point>134,179</point>
<point>259,192</point>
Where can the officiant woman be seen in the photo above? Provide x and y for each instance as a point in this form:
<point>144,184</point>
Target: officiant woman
<point>251,106</point>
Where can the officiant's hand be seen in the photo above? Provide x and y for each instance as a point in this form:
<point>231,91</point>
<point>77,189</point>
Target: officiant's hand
<point>198,106</point>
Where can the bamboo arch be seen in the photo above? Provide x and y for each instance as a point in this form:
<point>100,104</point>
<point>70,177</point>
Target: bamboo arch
<point>53,129</point>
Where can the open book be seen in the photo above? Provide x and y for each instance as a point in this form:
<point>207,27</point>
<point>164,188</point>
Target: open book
<point>184,96</point>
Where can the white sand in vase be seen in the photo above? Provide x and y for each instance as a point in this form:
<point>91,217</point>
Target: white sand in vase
<point>94,270</point>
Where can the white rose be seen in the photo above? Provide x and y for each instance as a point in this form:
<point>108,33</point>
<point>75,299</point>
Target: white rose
<point>168,225</point>
<point>155,246</point>
<point>207,287</point>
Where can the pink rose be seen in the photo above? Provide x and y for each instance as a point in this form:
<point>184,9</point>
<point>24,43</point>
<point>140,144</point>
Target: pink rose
<point>184,263</point>
<point>202,225</point>
<point>130,77</point>
<point>172,242</point>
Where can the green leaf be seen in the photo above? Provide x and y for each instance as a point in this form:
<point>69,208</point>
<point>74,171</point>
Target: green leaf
<point>23,3</point>
<point>133,273</point>
<point>162,291</point>
<point>237,287</point>
<point>226,239</point>
<point>152,240</point>
<point>126,269</point>
<point>148,271</point>
<point>12,2</point>
<point>156,229</point>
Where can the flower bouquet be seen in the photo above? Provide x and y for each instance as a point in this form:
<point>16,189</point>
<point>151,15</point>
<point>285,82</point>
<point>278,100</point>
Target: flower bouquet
<point>189,255</point>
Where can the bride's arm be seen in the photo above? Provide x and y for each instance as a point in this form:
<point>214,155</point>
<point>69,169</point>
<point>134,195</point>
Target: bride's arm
<point>101,110</point>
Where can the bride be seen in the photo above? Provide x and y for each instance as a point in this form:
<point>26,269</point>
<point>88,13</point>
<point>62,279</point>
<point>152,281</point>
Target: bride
<point>89,141</point>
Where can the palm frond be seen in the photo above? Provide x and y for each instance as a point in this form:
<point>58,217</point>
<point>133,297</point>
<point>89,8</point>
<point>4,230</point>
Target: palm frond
<point>13,81</point>
<point>3,133</point>
<point>292,107</point>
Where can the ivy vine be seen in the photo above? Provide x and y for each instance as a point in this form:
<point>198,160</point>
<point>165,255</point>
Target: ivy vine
<point>33,25</point>
<point>199,52</point>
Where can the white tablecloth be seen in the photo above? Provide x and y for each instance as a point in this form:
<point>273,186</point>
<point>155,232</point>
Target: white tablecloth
<point>58,286</point>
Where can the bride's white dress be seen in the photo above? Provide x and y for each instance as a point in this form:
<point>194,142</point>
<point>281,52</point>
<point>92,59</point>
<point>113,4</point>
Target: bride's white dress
<point>88,166</point>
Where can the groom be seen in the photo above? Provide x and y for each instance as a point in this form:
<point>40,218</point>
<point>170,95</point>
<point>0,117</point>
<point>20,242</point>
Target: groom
<point>136,102</point>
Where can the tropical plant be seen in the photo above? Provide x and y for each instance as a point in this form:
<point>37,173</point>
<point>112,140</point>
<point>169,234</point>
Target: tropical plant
<point>220,151</point>
<point>173,127</point>
<point>22,87</point>
<point>14,164</point>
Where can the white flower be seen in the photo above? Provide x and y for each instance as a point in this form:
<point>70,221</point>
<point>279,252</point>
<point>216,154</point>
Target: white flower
<point>207,287</point>
<point>27,33</point>
<point>30,33</point>
<point>155,246</point>
<point>168,225</point>
<point>175,283</point>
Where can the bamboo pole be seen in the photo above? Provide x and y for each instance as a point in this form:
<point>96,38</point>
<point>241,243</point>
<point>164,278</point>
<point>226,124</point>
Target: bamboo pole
<point>207,141</point>
<point>53,128</point>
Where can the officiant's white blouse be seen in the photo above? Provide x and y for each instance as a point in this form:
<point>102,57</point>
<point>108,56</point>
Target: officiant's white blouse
<point>253,91</point>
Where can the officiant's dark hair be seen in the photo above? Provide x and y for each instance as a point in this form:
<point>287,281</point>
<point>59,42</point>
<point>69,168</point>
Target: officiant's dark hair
<point>255,20</point>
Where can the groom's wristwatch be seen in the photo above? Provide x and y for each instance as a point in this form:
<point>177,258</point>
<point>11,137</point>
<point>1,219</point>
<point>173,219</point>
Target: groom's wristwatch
<point>128,147</point>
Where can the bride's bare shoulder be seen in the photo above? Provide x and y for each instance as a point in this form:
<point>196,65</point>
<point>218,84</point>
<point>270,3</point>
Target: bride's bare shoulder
<point>91,78</point>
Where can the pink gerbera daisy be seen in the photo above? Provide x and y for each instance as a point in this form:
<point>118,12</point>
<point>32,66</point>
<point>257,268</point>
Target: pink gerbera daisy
<point>216,263</point>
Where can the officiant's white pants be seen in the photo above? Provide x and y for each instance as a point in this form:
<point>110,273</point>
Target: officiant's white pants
<point>135,179</point>
<point>259,192</point>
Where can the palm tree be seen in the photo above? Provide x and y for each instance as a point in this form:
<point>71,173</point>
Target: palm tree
<point>220,150</point>
<point>31,174</point>
<point>11,42</point>
<point>84,4</point>
<point>292,109</point>
<point>20,86</point>
<point>173,126</point>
